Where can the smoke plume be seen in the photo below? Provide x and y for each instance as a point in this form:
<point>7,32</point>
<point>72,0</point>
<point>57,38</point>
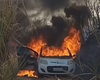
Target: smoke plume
<point>52,35</point>
<point>54,4</point>
<point>42,10</point>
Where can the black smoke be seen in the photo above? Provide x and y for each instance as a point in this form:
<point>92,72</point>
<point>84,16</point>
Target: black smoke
<point>81,15</point>
<point>52,35</point>
<point>54,4</point>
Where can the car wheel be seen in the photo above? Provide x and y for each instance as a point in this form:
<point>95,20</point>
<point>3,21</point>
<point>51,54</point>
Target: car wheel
<point>40,75</point>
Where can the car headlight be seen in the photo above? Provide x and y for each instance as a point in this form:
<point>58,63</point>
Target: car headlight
<point>70,62</point>
<point>43,62</point>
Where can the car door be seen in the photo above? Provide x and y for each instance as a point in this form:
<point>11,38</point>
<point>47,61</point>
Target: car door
<point>26,57</point>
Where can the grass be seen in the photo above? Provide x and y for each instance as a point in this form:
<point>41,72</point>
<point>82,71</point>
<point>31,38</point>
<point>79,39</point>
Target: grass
<point>94,24</point>
<point>8,63</point>
<point>8,68</point>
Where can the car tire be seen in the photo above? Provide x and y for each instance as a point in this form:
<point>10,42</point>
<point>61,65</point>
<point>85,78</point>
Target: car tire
<point>40,75</point>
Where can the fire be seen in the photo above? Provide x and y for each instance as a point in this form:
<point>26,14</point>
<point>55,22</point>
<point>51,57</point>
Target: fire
<point>27,73</point>
<point>72,42</point>
<point>36,44</point>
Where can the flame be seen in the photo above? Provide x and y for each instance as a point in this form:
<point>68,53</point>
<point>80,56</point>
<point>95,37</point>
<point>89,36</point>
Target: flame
<point>36,44</point>
<point>71,42</point>
<point>27,73</point>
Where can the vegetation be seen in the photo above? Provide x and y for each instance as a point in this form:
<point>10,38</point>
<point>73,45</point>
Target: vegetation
<point>93,27</point>
<point>8,68</point>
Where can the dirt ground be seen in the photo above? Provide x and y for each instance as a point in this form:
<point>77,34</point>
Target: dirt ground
<point>25,78</point>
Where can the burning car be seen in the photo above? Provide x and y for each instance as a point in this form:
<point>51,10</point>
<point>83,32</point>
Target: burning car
<point>57,60</point>
<point>46,65</point>
<point>56,65</point>
<point>54,59</point>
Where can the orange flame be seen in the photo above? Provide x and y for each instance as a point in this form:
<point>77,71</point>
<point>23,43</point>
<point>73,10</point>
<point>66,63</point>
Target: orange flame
<point>72,42</point>
<point>27,73</point>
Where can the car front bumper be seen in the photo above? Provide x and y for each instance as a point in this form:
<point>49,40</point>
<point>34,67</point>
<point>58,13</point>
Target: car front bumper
<point>56,69</point>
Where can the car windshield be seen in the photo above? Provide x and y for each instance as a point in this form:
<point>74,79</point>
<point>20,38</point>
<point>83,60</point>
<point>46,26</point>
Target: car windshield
<point>70,55</point>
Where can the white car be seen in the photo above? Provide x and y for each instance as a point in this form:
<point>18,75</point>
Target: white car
<point>56,65</point>
<point>46,65</point>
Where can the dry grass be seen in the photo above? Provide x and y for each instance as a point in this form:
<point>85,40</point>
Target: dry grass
<point>8,68</point>
<point>8,63</point>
